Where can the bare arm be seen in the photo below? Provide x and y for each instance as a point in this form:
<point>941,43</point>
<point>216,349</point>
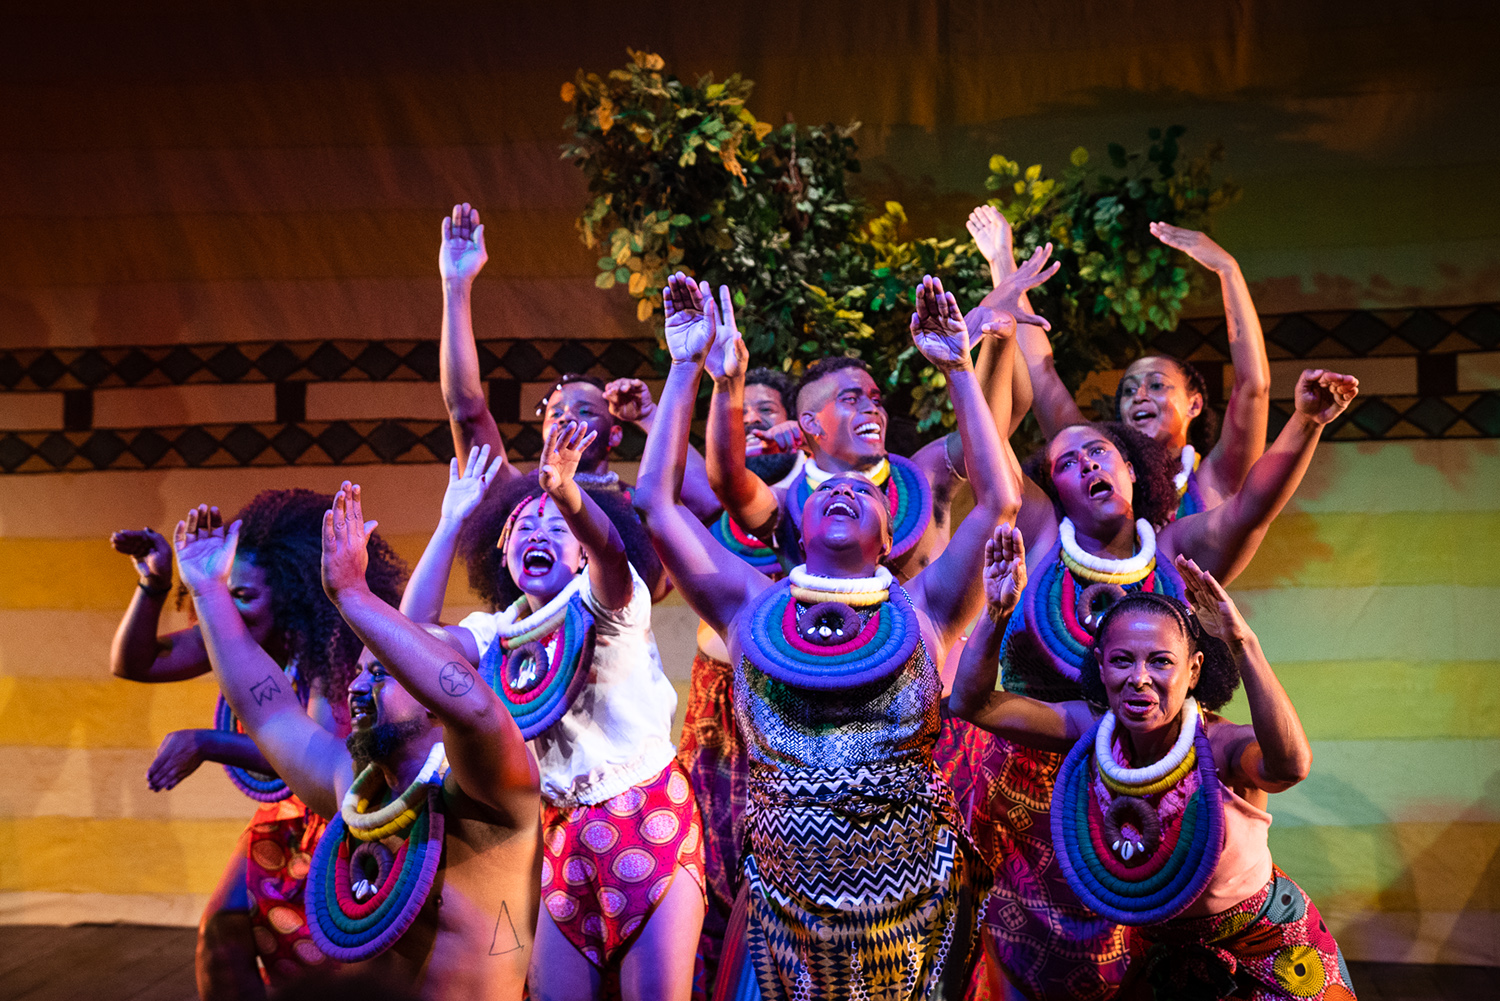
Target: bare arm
<point>752,504</point>
<point>485,748</point>
<point>137,653</point>
<point>182,751</point>
<point>630,401</point>
<point>949,588</point>
<point>422,601</point>
<point>608,567</point>
<point>1223,539</point>
<point>308,758</point>
<point>714,581</point>
<point>1243,437</point>
<point>1273,752</point>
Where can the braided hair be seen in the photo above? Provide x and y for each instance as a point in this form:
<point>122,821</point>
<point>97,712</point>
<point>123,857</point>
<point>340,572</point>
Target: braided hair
<point>479,543</point>
<point>1219,676</point>
<point>281,532</point>
<point>1203,430</point>
<point>1155,495</point>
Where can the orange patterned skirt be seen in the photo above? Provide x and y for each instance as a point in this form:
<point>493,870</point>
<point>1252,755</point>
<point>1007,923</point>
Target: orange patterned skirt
<point>282,838</point>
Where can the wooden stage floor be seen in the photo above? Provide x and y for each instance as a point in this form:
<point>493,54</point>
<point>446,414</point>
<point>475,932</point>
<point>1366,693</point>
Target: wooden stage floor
<point>140,963</point>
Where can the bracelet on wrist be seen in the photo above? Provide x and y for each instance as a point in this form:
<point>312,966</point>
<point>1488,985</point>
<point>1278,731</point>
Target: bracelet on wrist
<point>155,592</point>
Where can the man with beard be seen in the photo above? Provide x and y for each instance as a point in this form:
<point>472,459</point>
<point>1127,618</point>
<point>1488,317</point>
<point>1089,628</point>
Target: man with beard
<point>428,868</point>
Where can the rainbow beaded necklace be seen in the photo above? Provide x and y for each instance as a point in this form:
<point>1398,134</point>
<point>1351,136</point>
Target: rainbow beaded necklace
<point>830,633</point>
<point>1138,846</point>
<point>747,547</point>
<point>258,786</point>
<point>362,898</point>
<point>540,662</point>
<point>1070,588</point>
<point>906,488</point>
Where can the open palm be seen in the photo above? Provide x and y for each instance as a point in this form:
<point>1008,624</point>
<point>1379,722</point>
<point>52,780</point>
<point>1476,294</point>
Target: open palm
<point>205,549</point>
<point>462,252</point>
<point>466,487</point>
<point>1004,570</point>
<point>562,452</point>
<point>690,318</point>
<point>1006,296</point>
<point>937,327</point>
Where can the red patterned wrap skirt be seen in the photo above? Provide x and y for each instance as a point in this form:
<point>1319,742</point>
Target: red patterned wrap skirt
<point>605,867</point>
<point>1273,944</point>
<point>282,838</point>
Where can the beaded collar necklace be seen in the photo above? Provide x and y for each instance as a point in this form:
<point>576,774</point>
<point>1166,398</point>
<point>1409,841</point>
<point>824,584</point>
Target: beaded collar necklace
<point>830,633</point>
<point>906,490</point>
<point>1138,845</point>
<point>360,901</point>
<point>540,661</point>
<point>1189,467</point>
<point>1102,569</point>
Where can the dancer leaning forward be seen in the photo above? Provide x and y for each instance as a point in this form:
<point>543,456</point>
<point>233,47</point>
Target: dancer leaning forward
<point>428,866</point>
<point>1159,812</point>
<point>859,876</point>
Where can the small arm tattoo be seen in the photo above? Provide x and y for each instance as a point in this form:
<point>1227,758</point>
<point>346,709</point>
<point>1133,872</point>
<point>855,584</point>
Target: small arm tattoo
<point>265,691</point>
<point>456,679</point>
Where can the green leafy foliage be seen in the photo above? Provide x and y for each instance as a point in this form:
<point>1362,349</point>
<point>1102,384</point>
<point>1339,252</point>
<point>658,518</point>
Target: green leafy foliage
<point>683,176</point>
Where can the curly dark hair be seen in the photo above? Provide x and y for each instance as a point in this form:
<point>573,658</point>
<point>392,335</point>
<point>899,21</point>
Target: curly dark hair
<point>488,575</point>
<point>1155,496</point>
<point>779,381</point>
<point>1203,430</point>
<point>282,534</point>
<point>1217,680</point>
<point>816,371</point>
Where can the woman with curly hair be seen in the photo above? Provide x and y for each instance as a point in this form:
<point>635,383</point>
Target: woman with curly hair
<point>1158,817</point>
<point>1159,395</point>
<point>277,589</point>
<point>1099,513</point>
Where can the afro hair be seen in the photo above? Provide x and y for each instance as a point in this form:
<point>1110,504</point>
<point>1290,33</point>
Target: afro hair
<point>1155,495</point>
<point>1217,680</point>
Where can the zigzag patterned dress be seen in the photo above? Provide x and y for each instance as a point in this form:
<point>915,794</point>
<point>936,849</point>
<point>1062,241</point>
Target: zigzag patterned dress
<point>861,876</point>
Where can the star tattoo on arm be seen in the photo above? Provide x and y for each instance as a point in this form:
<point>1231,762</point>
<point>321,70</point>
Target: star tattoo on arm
<point>265,691</point>
<point>456,679</point>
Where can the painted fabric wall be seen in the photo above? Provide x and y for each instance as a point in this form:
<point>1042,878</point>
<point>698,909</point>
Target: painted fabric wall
<point>217,230</point>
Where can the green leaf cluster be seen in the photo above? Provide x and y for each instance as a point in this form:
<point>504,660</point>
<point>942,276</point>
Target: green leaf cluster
<point>683,176</point>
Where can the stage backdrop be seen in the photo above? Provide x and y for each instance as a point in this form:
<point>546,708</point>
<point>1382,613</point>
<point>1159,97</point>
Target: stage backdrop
<point>217,242</point>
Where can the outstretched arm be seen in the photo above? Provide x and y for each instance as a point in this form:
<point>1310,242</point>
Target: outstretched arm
<point>461,256</point>
<point>307,757</point>
<point>949,587</point>
<point>1223,539</point>
<point>714,581</point>
<point>1272,753</point>
<point>137,652</point>
<point>608,567</point>
<point>485,748</point>
<point>752,503</point>
<point>182,751</point>
<point>1052,726</point>
<point>1243,437</point>
<point>422,601</point>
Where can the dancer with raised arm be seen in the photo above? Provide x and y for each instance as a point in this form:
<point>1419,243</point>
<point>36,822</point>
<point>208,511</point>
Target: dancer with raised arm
<point>1098,509</point>
<point>1159,812</point>
<point>572,658</point>
<point>274,583</point>
<point>859,871</point>
<point>1159,395</point>
<point>427,867</point>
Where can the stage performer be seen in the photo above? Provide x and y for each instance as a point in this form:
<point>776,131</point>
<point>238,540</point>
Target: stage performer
<point>426,870</point>
<point>1159,812</point>
<point>574,397</point>
<point>1104,520</point>
<point>859,874</point>
<point>1159,395</point>
<point>256,910</point>
<point>572,656</point>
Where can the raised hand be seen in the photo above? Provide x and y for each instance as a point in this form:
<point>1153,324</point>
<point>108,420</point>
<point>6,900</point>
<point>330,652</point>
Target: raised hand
<point>1006,297</point>
<point>466,487</point>
<point>564,448</point>
<point>179,756</point>
<point>1196,245</point>
<point>728,345</point>
<point>461,254</point>
<point>346,536</point>
<point>1004,571</point>
<point>629,400</point>
<point>149,551</point>
<point>991,232</point>
<point>1323,395</point>
<point>778,438</point>
<point>937,327</point>
<point>205,551</point>
<point>691,320</point>
<point>1214,607</point>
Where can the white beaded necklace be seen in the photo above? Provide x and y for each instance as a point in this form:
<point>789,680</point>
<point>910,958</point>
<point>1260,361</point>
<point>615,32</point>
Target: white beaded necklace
<point>544,619</point>
<point>1145,537</point>
<point>1104,755</point>
<point>1189,463</point>
<point>842,585</point>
